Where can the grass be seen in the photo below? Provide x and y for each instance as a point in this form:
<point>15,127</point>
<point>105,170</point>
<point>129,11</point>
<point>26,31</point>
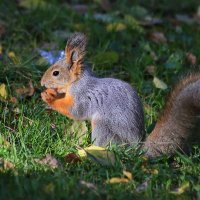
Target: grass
<point>29,130</point>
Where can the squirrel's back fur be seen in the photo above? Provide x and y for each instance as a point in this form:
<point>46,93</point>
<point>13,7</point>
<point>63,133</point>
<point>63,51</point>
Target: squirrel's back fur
<point>113,107</point>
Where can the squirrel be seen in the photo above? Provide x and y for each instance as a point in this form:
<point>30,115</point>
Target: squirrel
<point>114,107</point>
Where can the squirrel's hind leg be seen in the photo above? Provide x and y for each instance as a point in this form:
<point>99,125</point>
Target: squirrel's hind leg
<point>102,135</point>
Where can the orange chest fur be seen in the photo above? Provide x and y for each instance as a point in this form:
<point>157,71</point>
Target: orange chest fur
<point>64,105</point>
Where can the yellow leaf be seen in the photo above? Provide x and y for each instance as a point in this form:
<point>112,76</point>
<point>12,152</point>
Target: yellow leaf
<point>82,153</point>
<point>150,171</point>
<point>128,175</point>
<point>117,26</point>
<point>3,91</point>
<point>13,57</point>
<point>1,49</point>
<point>98,154</point>
<point>117,180</point>
<point>159,83</point>
<point>181,189</point>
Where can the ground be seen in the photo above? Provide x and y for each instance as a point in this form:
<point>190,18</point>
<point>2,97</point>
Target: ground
<point>123,43</point>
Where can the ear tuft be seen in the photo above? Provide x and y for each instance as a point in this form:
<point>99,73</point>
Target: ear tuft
<point>76,48</point>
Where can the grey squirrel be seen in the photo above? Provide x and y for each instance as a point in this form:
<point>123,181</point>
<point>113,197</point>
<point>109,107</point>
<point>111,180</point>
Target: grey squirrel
<point>113,106</point>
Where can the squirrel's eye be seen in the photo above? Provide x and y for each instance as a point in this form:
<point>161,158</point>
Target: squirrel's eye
<point>56,73</point>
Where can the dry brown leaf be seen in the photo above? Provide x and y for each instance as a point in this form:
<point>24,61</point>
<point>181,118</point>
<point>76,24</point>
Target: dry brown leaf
<point>26,91</point>
<point>115,180</point>
<point>6,164</point>
<point>157,37</point>
<point>72,158</point>
<point>191,58</point>
<point>13,100</point>
<point>48,160</point>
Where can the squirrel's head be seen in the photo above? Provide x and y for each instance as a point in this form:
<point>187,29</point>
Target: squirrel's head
<point>68,70</point>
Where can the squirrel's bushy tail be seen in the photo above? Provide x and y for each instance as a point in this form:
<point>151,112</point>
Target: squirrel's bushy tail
<point>178,124</point>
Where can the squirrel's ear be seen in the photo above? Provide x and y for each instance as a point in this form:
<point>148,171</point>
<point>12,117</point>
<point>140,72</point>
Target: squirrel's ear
<point>76,48</point>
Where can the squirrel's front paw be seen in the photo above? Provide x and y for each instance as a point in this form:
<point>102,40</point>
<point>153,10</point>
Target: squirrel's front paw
<point>49,95</point>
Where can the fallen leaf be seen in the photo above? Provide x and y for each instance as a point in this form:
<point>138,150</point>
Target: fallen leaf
<point>48,160</point>
<point>128,175</point>
<point>150,171</point>
<point>13,57</point>
<point>26,91</point>
<point>98,154</point>
<point>191,58</point>
<point>3,91</point>
<point>159,83</point>
<point>17,110</point>
<point>116,26</point>
<point>88,185</point>
<point>72,158</point>
<point>157,37</point>
<point>180,190</point>
<point>13,100</point>
<point>6,164</point>
<point>115,180</point>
